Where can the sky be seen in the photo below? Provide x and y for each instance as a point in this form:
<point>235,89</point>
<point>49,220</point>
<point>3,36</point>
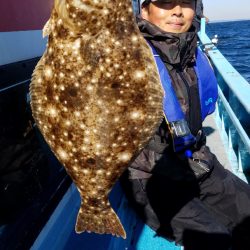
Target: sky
<point>226,9</point>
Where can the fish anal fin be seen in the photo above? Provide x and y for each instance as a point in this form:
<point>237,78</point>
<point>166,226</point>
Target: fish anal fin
<point>101,222</point>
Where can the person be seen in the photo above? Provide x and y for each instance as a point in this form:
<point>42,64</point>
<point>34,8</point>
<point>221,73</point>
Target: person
<point>199,13</point>
<point>176,185</point>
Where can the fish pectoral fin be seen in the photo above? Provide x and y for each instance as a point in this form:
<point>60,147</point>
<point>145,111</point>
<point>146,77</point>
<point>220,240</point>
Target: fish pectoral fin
<point>47,28</point>
<point>101,222</point>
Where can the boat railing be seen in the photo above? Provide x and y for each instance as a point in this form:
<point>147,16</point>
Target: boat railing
<point>233,106</point>
<point>15,85</point>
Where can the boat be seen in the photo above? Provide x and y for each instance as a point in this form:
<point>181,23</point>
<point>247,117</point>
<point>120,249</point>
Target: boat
<point>39,203</point>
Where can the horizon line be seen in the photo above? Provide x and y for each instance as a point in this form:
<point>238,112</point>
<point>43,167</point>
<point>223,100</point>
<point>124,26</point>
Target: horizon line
<point>229,20</point>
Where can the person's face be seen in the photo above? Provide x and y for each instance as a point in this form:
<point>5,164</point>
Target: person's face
<point>173,16</point>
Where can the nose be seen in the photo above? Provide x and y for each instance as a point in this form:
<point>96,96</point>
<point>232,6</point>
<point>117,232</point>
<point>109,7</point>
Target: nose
<point>177,9</point>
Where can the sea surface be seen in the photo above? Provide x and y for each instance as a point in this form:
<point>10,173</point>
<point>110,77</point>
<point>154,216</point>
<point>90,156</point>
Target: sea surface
<point>234,43</point>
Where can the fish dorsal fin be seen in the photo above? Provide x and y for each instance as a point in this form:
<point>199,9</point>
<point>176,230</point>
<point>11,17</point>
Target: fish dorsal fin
<point>47,28</point>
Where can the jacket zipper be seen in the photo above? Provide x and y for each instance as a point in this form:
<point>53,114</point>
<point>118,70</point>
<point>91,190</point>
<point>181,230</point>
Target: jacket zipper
<point>188,92</point>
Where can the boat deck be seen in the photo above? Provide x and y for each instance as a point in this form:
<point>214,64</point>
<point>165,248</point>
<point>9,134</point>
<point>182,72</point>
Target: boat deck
<point>63,219</point>
<point>215,141</point>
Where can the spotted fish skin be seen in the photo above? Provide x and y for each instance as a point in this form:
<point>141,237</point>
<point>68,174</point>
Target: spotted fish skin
<point>97,99</point>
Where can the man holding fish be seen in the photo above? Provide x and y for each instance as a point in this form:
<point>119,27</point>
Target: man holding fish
<point>176,184</point>
<point>97,95</point>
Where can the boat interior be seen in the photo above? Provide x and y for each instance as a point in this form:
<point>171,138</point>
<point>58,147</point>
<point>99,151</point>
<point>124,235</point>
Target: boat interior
<point>39,203</point>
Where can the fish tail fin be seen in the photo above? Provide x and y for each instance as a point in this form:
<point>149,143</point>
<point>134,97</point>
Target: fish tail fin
<point>101,222</point>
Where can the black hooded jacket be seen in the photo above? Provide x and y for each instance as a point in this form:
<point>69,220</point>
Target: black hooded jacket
<point>178,53</point>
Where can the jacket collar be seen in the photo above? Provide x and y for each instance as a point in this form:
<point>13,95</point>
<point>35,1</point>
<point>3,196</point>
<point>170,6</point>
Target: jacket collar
<point>176,50</point>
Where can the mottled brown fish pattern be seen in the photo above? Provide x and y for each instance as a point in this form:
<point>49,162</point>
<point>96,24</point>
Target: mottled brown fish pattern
<point>97,99</point>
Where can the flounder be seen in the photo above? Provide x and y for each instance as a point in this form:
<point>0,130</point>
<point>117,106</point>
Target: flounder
<point>96,97</point>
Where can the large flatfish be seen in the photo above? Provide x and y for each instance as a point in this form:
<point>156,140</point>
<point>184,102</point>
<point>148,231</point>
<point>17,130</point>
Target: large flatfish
<point>97,99</point>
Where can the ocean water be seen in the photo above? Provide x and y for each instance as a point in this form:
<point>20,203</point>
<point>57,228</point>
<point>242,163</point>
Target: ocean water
<point>234,43</point>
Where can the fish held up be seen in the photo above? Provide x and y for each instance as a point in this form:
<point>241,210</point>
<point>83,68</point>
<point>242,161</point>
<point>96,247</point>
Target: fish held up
<point>97,99</point>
